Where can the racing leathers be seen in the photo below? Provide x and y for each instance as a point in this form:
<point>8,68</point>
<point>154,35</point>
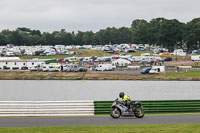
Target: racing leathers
<point>127,101</point>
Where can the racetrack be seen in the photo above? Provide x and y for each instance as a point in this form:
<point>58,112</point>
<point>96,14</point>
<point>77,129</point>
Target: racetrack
<point>97,121</point>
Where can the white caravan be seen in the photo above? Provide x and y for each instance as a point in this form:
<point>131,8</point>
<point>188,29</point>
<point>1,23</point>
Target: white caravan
<point>104,67</point>
<point>195,57</point>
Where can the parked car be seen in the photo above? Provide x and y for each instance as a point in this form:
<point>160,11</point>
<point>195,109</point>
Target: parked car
<point>8,53</point>
<point>82,69</point>
<point>107,59</point>
<point>168,59</point>
<point>43,54</point>
<point>24,68</point>
<point>195,52</point>
<point>145,70</point>
<point>87,59</point>
<point>146,61</point>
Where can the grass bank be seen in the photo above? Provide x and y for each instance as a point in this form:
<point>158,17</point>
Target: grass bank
<point>190,75</point>
<point>168,128</point>
<point>82,53</point>
<point>27,75</point>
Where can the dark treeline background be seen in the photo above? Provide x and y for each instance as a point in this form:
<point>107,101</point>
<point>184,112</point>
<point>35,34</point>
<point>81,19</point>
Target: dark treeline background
<point>168,33</point>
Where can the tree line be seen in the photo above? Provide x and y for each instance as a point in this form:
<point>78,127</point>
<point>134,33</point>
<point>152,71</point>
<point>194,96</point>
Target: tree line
<point>168,33</point>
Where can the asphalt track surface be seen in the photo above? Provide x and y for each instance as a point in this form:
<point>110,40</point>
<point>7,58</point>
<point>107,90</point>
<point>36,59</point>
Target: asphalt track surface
<point>97,121</point>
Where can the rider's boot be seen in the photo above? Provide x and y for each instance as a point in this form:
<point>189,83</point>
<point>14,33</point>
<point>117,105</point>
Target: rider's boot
<point>130,108</point>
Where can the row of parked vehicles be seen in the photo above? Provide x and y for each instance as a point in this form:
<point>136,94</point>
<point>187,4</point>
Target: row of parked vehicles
<point>54,67</point>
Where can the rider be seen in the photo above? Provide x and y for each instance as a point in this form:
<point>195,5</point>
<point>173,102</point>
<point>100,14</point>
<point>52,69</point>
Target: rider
<point>125,99</point>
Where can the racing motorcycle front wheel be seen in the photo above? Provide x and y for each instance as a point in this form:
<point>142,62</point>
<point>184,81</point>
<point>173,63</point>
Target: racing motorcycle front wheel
<point>115,113</point>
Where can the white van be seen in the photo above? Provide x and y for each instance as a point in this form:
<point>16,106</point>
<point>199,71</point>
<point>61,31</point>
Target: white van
<point>104,67</point>
<point>195,57</point>
<point>157,69</point>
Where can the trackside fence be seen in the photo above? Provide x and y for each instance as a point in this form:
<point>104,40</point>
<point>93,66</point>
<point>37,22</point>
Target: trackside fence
<point>150,107</point>
<point>46,108</point>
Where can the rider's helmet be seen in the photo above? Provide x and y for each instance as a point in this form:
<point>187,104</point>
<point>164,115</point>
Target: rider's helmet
<point>121,94</point>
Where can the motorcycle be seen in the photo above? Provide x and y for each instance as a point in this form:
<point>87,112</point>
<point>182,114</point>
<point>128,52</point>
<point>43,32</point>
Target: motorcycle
<point>119,109</point>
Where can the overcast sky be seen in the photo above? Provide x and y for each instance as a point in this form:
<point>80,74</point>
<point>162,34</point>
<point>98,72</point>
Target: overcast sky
<point>84,15</point>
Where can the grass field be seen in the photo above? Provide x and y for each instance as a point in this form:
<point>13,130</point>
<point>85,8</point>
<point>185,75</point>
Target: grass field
<point>82,53</point>
<point>99,53</point>
<point>168,128</point>
<point>190,75</point>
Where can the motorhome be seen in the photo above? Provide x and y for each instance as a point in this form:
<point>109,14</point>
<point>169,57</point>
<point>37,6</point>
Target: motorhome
<point>104,67</point>
<point>73,68</point>
<point>157,69</point>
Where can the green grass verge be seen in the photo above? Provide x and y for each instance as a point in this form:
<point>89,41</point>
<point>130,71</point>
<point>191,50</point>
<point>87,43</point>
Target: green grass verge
<point>4,75</point>
<point>168,128</point>
<point>190,75</point>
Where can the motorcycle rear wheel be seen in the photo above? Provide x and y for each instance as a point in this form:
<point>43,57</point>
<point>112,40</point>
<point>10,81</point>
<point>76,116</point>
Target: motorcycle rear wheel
<point>139,112</point>
<point>115,113</point>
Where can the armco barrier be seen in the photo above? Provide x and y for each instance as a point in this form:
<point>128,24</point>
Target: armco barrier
<point>46,108</point>
<point>168,106</point>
